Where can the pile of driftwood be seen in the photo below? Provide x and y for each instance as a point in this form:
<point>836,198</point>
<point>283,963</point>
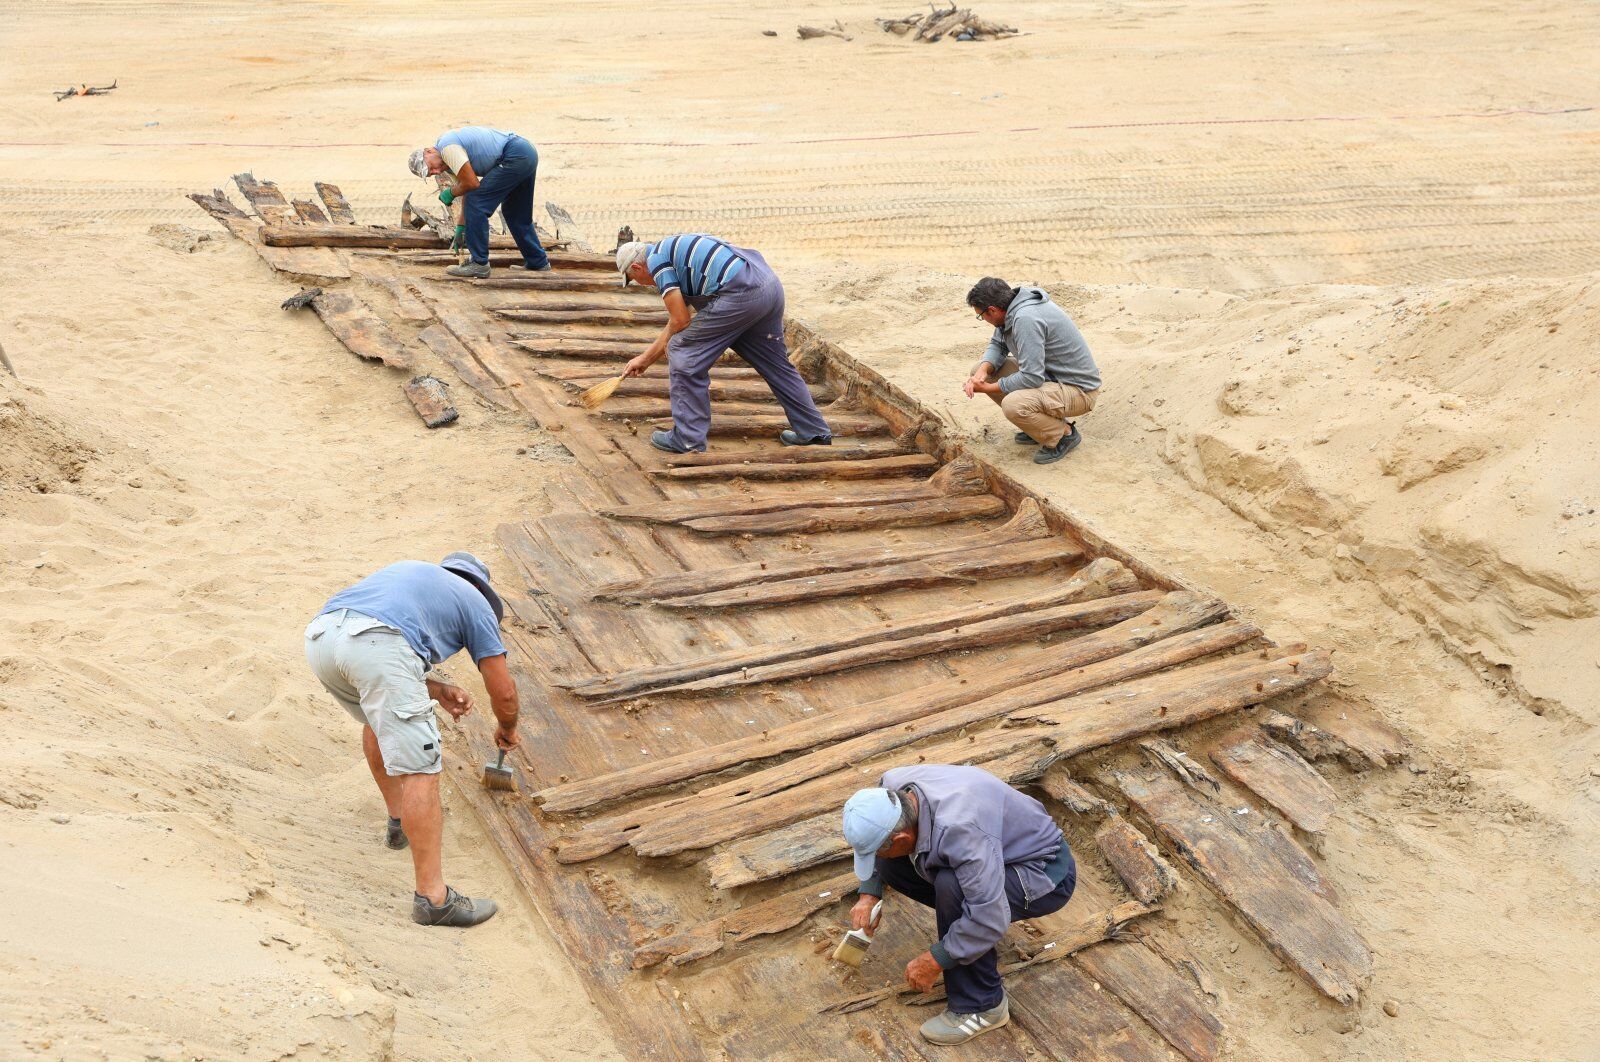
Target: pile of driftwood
<point>956,23</point>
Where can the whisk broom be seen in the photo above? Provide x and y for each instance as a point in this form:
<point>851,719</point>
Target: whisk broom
<point>596,396</point>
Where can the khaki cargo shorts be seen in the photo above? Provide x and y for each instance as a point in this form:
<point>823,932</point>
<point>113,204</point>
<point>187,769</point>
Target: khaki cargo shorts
<point>370,668</point>
<point>1043,412</point>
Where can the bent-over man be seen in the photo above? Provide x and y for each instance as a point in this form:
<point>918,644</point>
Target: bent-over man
<point>1046,374</point>
<point>738,303</point>
<point>493,170</point>
<point>372,646</point>
<point>978,852</point>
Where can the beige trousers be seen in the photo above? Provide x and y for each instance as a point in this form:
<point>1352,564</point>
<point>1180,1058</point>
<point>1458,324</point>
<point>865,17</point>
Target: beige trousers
<point>1043,412</point>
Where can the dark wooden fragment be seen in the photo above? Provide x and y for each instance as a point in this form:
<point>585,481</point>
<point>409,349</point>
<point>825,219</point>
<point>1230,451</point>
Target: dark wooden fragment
<point>431,401</point>
<point>844,424</point>
<point>338,206</point>
<point>865,451</point>
<point>1074,797</point>
<point>1297,925</point>
<point>589,349</point>
<point>1024,680</point>
<point>856,518</point>
<point>880,468</point>
<point>545,282</point>
<point>1279,777</point>
<point>360,330</point>
<point>268,202</point>
<point>1149,986</point>
<point>781,912</point>
<point>308,262</point>
<point>585,372</point>
<point>289,234</point>
<point>1312,742</point>
<point>1071,1019</point>
<point>594,315</point>
<point>1359,727</point>
<point>1135,860</point>
<point>309,212</point>
<point>1095,581</point>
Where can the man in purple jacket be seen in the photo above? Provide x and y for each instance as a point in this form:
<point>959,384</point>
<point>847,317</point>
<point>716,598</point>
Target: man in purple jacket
<point>978,852</point>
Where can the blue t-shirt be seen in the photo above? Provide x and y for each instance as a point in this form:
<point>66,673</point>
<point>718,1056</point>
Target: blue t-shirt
<point>439,612</point>
<point>482,145</point>
<point>694,263</point>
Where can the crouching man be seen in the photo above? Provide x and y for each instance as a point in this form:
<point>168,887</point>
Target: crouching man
<point>1046,376</point>
<point>977,851</point>
<point>372,646</point>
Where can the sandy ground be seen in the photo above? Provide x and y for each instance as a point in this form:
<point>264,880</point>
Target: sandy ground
<point>1333,259</point>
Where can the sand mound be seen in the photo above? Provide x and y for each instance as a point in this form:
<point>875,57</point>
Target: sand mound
<point>39,454</point>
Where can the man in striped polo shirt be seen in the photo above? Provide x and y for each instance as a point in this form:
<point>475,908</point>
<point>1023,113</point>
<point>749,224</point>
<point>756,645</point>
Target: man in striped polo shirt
<point>738,303</point>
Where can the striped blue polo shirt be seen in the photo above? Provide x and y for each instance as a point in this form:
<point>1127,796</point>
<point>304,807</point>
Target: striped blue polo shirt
<point>694,263</point>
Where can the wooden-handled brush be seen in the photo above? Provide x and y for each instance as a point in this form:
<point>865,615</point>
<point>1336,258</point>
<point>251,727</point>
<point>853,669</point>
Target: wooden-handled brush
<point>596,396</point>
<point>853,948</point>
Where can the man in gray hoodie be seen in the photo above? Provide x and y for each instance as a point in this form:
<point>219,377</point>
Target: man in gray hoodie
<point>978,852</point>
<point>1046,375</point>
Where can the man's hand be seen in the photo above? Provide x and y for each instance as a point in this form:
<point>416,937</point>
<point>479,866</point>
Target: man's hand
<point>861,913</point>
<point>982,387</point>
<point>638,365</point>
<point>453,699</point>
<point>506,738</point>
<point>460,240</point>
<point>923,971</point>
<point>447,196</point>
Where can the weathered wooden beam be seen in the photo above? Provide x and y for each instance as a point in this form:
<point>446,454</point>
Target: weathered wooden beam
<point>1074,797</point>
<point>1358,726</point>
<point>1028,524</point>
<point>1096,580</point>
<point>593,315</point>
<point>1021,558</point>
<point>1149,986</point>
<point>311,262</point>
<point>864,451</point>
<point>589,349</point>
<point>267,200</point>
<point>819,839</point>
<point>586,373</point>
<point>353,324</point>
<point>879,468</point>
<point>1090,930</point>
<point>1023,681</point>
<point>544,282</point>
<point>1296,924</point>
<point>431,401</point>
<point>1279,777</point>
<point>856,518</point>
<point>844,424</point>
<point>1137,863</point>
<point>309,212</point>
<point>1068,1019</point>
<point>959,477</point>
<point>286,234</point>
<point>338,206</point>
<point>443,343</point>
<point>775,915</point>
<point>723,388</point>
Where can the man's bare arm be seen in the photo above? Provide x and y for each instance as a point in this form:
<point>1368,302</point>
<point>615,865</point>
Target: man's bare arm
<point>502,699</point>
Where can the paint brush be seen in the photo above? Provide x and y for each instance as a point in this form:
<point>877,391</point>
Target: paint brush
<point>596,396</point>
<point>853,948</point>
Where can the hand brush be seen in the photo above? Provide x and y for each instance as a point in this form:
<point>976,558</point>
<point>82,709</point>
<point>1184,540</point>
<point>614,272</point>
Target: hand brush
<point>497,775</point>
<point>853,948</point>
<point>596,396</point>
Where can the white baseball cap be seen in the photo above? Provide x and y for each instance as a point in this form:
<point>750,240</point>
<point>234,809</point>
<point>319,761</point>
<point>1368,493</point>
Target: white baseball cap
<point>869,818</point>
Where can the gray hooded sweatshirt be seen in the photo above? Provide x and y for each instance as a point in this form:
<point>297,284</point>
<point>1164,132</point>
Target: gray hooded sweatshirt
<point>972,823</point>
<point>1046,344</point>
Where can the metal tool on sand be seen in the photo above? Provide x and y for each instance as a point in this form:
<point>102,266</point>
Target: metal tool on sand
<point>497,775</point>
<point>853,948</point>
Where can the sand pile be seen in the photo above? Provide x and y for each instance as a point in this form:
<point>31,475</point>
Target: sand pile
<point>38,454</point>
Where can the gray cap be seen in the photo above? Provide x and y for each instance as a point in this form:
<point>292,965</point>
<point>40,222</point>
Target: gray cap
<point>870,817</point>
<point>475,572</point>
<point>418,162</point>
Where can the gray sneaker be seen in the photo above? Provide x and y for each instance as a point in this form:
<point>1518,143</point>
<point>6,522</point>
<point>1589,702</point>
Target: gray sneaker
<point>476,270</point>
<point>457,910</point>
<point>951,1028</point>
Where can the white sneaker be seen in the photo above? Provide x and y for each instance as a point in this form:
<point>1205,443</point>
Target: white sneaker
<point>951,1028</point>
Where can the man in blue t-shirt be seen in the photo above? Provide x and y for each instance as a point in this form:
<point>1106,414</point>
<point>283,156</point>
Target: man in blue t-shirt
<point>487,170</point>
<point>372,646</point>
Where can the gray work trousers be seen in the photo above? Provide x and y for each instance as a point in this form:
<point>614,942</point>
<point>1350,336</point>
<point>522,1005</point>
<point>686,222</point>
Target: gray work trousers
<point>747,315</point>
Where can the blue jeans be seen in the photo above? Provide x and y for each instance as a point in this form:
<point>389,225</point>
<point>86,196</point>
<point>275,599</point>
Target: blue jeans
<point>976,986</point>
<point>508,187</point>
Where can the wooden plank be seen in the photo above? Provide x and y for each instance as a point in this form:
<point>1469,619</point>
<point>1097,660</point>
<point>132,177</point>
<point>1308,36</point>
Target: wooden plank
<point>864,451</point>
<point>1149,986</point>
<point>844,424</point>
<point>1297,925</point>
<point>1085,932</point>
<point>1070,1018</point>
<point>407,302</point>
<point>1028,524</point>
<point>298,234</point>
<point>1019,558</point>
<point>960,477</point>
<point>431,401</point>
<point>878,468</point>
<point>440,340</point>
<point>819,839</point>
<point>857,518</point>
<point>588,349</point>
<point>1359,727</point>
<point>1001,630</point>
<point>309,212</point>
<point>1024,680</point>
<point>338,206</point>
<point>267,201</point>
<point>1074,797</point>
<point>723,388</point>
<point>775,915</point>
<point>361,331</point>
<point>639,409</point>
<point>1279,777</point>
<point>590,315</point>
<point>1097,580</point>
<point>587,371</point>
<point>308,262</point>
<point>1138,865</point>
<point>1312,742</point>
<point>544,282</point>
